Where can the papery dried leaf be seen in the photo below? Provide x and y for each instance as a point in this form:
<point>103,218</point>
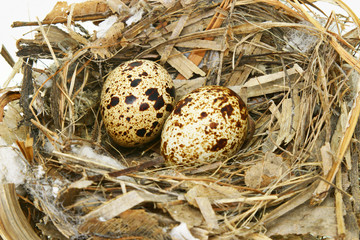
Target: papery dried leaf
<point>212,191</point>
<point>319,221</point>
<point>185,213</point>
<point>327,157</point>
<point>9,129</point>
<point>265,172</point>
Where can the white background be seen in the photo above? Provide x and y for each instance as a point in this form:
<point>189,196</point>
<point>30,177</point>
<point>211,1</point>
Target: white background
<point>28,10</point>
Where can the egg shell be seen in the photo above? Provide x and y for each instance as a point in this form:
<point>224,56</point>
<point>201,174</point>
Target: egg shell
<point>136,99</point>
<point>207,125</point>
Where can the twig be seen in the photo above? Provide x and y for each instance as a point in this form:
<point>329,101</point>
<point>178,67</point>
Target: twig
<point>64,20</point>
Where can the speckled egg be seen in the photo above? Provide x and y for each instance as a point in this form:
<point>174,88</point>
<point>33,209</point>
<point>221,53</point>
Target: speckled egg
<point>207,125</point>
<point>136,99</point>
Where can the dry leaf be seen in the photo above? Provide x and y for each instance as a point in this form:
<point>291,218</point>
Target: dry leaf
<point>265,172</point>
<point>211,191</point>
<point>319,221</point>
<point>270,83</point>
<point>285,121</point>
<point>9,129</point>
<point>5,99</point>
<point>185,213</point>
<point>340,128</point>
<point>327,158</point>
<point>207,212</point>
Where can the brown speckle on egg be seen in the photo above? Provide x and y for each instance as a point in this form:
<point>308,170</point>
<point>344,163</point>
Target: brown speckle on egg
<point>152,94</point>
<point>130,99</point>
<point>114,101</point>
<point>141,132</point>
<point>181,104</point>
<point>135,101</point>
<point>159,103</point>
<point>203,115</point>
<point>144,106</point>
<point>135,82</point>
<point>197,132</point>
<point>213,125</point>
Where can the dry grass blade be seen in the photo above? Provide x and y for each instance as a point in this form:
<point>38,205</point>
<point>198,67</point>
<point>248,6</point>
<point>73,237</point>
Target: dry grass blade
<point>14,225</point>
<point>114,207</point>
<point>301,198</point>
<point>323,188</point>
<point>294,67</point>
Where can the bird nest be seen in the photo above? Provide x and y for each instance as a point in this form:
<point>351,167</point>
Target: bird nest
<point>294,66</point>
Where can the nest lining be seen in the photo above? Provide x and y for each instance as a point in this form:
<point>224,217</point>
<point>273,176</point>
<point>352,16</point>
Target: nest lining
<point>298,73</point>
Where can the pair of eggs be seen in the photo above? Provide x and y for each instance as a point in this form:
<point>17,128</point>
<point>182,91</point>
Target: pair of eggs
<point>138,104</point>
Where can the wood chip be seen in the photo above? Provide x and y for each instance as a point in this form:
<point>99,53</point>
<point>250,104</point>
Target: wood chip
<point>178,61</point>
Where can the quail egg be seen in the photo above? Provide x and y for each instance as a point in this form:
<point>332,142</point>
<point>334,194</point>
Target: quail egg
<point>136,99</point>
<point>207,125</point>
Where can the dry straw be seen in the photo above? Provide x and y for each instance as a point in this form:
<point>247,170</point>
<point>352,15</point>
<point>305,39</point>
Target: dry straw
<point>297,69</point>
